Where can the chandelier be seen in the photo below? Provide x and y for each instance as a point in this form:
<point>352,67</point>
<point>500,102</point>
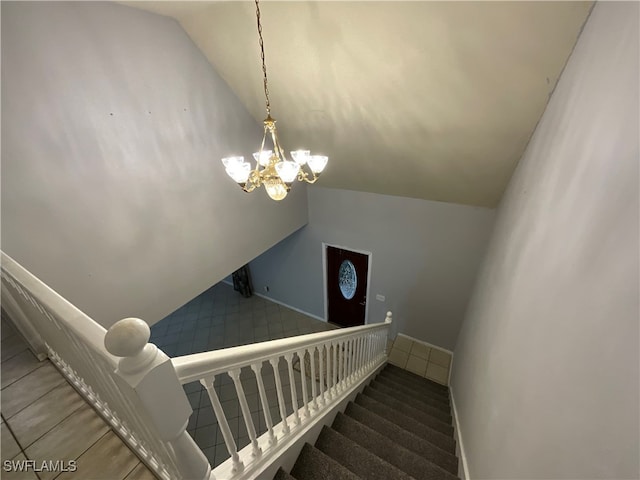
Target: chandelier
<point>273,169</point>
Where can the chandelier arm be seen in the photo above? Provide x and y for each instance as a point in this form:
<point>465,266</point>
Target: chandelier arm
<point>264,66</point>
<point>264,136</point>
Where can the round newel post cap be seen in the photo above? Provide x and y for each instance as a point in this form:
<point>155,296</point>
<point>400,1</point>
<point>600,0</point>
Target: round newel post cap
<point>127,337</point>
<point>388,319</point>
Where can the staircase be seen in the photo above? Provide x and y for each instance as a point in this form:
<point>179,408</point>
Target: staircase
<point>399,427</point>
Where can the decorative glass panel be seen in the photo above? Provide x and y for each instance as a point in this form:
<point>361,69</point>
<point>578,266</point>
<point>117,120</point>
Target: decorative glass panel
<point>347,279</point>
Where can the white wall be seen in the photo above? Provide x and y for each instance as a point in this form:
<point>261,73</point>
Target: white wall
<point>425,256</point>
<point>545,376</point>
<point>113,126</point>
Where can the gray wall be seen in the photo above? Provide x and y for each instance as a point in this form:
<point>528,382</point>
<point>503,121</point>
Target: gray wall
<point>545,376</point>
<point>113,126</point>
<point>425,256</point>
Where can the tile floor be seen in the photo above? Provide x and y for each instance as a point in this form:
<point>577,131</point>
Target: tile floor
<point>421,359</point>
<point>43,418</point>
<point>220,318</point>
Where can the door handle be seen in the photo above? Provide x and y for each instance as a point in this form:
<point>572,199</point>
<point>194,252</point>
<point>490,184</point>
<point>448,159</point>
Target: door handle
<point>363,303</point>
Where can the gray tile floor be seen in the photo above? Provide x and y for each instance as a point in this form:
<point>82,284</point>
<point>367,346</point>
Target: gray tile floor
<point>221,318</point>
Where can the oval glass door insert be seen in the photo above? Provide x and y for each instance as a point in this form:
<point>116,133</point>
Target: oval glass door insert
<point>347,279</point>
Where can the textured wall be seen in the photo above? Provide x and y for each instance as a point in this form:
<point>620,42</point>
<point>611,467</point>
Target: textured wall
<point>113,126</point>
<point>425,256</point>
<point>545,373</point>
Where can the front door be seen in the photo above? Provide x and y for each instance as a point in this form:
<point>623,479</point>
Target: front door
<point>346,286</point>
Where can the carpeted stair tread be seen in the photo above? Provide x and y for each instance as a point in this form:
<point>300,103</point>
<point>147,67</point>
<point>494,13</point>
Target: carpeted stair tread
<point>312,464</point>
<point>412,401</point>
<point>282,475</point>
<point>408,410</point>
<point>409,383</point>
<point>356,458</point>
<point>439,439</point>
<point>404,438</point>
<point>423,396</point>
<point>397,455</point>
<point>392,369</point>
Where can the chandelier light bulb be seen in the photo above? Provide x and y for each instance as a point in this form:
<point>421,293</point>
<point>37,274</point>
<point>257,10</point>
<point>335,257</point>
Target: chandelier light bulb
<point>317,163</point>
<point>239,172</point>
<point>263,157</point>
<point>287,171</point>
<point>300,156</point>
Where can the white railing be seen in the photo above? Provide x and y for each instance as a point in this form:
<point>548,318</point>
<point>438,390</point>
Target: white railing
<point>331,364</point>
<point>137,388</point>
<point>125,392</point>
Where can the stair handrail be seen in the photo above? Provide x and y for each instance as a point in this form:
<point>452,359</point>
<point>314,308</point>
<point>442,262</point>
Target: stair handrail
<point>344,360</point>
<point>117,371</point>
<point>197,365</point>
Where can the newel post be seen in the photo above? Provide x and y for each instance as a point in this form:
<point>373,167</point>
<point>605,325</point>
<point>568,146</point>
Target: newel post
<point>388,321</point>
<point>151,375</point>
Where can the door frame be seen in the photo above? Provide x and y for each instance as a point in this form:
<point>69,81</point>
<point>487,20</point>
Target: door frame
<point>324,277</point>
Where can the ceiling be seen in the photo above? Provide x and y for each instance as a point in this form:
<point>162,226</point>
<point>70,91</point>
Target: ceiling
<point>432,100</point>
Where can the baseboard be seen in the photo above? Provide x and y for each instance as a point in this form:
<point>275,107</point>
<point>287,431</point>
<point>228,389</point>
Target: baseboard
<point>282,303</point>
<point>460,444</point>
<point>290,307</point>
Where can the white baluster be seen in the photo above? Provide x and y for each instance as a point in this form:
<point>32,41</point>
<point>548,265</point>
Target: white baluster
<point>346,362</point>
<point>281,405</point>
<point>246,413</point>
<point>148,371</point>
<point>257,369</point>
<point>324,379</point>
<point>232,448</point>
<point>292,385</point>
<point>336,356</point>
<point>314,390</point>
<point>303,375</point>
<point>360,354</point>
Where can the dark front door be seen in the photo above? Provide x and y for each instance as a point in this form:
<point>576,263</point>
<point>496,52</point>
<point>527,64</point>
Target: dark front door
<point>346,286</point>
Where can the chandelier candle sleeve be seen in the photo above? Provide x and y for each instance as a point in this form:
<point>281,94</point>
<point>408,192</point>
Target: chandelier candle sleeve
<point>273,169</point>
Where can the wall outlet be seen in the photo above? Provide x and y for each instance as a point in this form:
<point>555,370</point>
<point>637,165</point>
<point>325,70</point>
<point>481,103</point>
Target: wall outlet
<point>380,297</point>
<point>266,288</point>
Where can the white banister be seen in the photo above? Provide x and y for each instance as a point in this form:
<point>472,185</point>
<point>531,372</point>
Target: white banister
<point>149,372</point>
<point>343,359</point>
<point>123,385</point>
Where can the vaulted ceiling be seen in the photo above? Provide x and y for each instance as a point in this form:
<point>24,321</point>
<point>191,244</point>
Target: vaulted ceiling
<point>432,100</point>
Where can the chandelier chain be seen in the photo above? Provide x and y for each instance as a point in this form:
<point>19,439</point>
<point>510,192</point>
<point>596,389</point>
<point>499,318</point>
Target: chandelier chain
<point>264,66</point>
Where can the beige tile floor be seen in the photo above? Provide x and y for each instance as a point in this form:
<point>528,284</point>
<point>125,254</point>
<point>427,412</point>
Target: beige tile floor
<point>44,419</point>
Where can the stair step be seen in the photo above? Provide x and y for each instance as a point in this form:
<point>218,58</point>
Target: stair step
<point>410,411</point>
<point>423,396</point>
<point>439,439</point>
<point>415,385</point>
<point>282,475</point>
<point>412,401</point>
<point>312,464</point>
<point>356,458</point>
<point>436,387</point>
<point>404,438</point>
<point>397,455</point>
